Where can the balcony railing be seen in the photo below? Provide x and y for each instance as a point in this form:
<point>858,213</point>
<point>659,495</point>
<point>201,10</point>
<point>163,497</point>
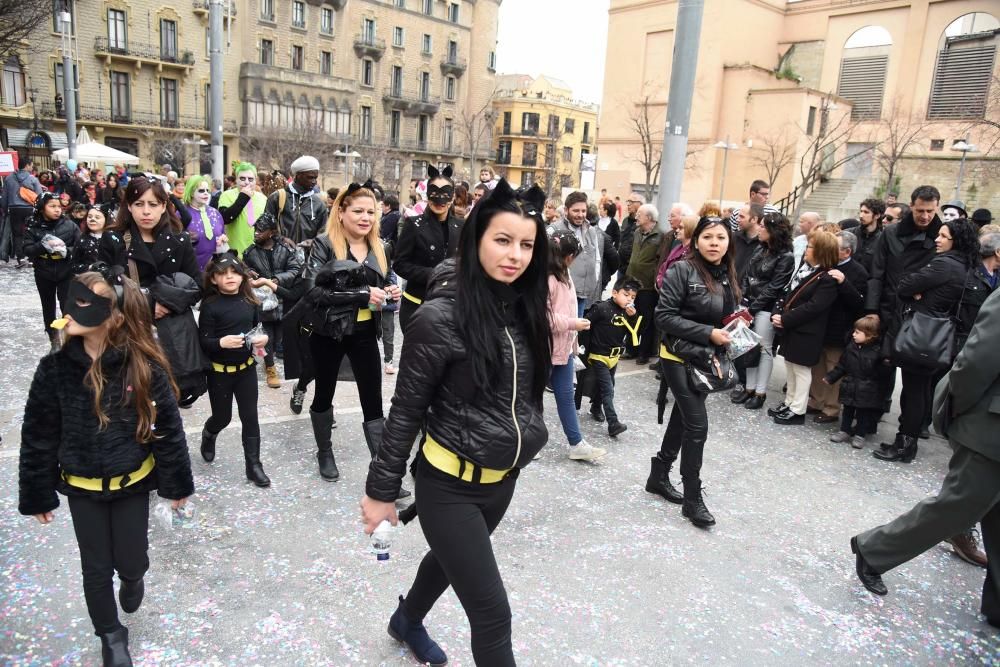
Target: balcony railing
<point>131,50</point>
<point>366,45</point>
<point>395,98</point>
<point>529,162</point>
<point>529,132</point>
<point>125,117</point>
<point>503,159</point>
<point>201,7</point>
<point>454,65</point>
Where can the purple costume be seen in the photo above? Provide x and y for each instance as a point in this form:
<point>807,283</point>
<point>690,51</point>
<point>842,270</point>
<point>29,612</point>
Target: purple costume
<point>204,247</point>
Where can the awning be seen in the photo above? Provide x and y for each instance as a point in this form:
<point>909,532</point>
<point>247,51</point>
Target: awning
<point>20,137</point>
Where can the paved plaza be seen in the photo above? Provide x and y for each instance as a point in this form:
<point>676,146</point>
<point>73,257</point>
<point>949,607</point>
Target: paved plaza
<point>598,571</point>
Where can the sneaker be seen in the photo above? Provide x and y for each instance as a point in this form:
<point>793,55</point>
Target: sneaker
<point>298,398</point>
<point>584,452</point>
<point>859,441</point>
<point>389,368</point>
<point>840,436</point>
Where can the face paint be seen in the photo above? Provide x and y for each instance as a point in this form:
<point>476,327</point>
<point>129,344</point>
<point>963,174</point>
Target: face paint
<point>442,194</point>
<point>85,306</point>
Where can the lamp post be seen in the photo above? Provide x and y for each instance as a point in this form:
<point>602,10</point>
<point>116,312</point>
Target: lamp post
<point>965,148</point>
<point>726,147</point>
<point>69,80</point>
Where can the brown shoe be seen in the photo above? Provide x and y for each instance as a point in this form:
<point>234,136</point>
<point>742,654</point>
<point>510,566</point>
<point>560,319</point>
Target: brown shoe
<point>273,381</point>
<point>825,419</point>
<point>966,546</point>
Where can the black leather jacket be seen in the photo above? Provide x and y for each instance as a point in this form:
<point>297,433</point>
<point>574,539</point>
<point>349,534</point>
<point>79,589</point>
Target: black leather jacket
<point>766,278</point>
<point>687,312</point>
<point>498,430</point>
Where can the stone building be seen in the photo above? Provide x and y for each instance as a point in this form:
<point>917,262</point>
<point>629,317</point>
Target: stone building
<point>542,132</point>
<point>853,88</point>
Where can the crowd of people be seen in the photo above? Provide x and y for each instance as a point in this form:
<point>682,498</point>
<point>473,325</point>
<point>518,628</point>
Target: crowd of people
<point>501,294</point>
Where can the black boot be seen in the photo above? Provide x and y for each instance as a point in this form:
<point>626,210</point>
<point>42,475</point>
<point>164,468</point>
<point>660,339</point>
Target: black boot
<point>909,451</point>
<point>54,342</point>
<point>659,480</point>
<point>130,595</point>
<point>255,471</point>
<point>114,648</point>
<point>373,436</point>
<point>903,449</point>
<point>322,423</point>
<point>694,506</point>
<point>208,444</point>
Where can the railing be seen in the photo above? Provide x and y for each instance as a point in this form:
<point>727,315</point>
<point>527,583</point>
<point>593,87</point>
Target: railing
<point>529,132</point>
<point>503,159</point>
<point>526,162</point>
<point>141,118</point>
<point>202,6</point>
<point>454,65</point>
<point>144,51</point>
<point>790,202</point>
<point>362,41</point>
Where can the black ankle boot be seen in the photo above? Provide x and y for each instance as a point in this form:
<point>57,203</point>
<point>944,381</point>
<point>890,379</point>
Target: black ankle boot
<point>694,507</point>
<point>208,444</point>
<point>322,424</point>
<point>54,342</point>
<point>255,471</point>
<point>114,648</point>
<point>903,449</point>
<point>130,595</point>
<point>414,635</point>
<point>909,451</point>
<point>659,481</point>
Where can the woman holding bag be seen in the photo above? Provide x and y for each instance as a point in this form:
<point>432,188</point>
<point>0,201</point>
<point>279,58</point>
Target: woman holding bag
<point>696,295</point>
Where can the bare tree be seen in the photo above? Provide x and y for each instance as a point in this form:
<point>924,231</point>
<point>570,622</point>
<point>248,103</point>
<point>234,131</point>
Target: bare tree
<point>898,133</point>
<point>823,154</point>
<point>383,164</point>
<point>647,127</point>
<point>270,148</point>
<point>169,147</point>
<point>476,130</point>
<point>20,20</point>
<point>773,153</point>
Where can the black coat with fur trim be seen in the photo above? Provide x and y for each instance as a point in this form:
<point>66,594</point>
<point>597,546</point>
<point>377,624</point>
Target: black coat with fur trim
<point>61,433</point>
<point>170,252</point>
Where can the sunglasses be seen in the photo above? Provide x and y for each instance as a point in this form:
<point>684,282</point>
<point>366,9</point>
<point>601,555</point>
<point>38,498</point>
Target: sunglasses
<point>888,218</point>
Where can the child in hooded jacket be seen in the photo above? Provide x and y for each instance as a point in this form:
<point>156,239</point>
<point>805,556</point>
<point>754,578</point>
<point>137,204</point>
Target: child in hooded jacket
<point>48,243</point>
<point>862,375</point>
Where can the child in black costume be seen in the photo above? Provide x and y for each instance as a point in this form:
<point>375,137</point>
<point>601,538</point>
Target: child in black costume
<point>87,249</point>
<point>613,322</point>
<point>865,377</point>
<point>48,243</point>
<point>229,312</point>
<point>101,426</point>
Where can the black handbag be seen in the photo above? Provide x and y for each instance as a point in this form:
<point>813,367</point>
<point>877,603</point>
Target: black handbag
<point>926,341</point>
<point>718,374</point>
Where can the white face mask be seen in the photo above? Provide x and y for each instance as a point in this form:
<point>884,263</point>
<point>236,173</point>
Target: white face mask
<point>949,214</point>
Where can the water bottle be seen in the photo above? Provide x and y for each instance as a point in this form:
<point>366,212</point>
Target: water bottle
<point>382,540</point>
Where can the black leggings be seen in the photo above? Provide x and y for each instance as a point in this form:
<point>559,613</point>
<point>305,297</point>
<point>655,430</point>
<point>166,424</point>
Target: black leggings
<point>48,290</point>
<point>406,310</point>
<point>361,347</point>
<point>221,389</point>
<point>687,429</point>
<point>645,304</point>
<point>458,518</point>
<point>112,537</point>
<point>914,403</point>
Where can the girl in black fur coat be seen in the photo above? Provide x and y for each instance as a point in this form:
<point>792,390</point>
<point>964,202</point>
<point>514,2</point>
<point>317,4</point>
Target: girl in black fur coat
<point>101,426</point>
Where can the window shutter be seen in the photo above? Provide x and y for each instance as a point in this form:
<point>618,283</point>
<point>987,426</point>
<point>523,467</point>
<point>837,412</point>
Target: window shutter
<point>961,82</point>
<point>862,81</point>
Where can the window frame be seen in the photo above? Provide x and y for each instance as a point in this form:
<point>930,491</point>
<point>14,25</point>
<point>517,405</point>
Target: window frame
<point>326,20</point>
<point>118,18</point>
<point>299,53</point>
<point>269,60</point>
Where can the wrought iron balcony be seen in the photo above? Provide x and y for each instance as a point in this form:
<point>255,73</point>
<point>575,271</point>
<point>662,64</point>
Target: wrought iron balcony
<point>367,46</point>
<point>139,53</point>
<point>454,66</point>
<point>201,7</point>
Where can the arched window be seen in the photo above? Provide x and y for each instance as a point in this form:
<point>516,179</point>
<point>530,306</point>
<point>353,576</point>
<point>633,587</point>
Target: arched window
<point>964,68</point>
<point>12,89</point>
<point>863,68</point>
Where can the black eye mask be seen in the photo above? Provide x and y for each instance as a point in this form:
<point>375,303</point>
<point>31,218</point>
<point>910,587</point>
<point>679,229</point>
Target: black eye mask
<point>442,194</point>
<point>85,306</point>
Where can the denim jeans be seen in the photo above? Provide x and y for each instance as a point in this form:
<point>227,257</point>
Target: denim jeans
<point>562,386</point>
<point>581,305</point>
<point>758,376</point>
<point>606,386</point>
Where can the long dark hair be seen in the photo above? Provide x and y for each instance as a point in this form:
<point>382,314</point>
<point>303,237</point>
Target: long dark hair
<point>218,265</point>
<point>965,241</point>
<point>779,232</point>
<point>137,187</point>
<point>563,244</point>
<point>702,266</point>
<point>478,317</point>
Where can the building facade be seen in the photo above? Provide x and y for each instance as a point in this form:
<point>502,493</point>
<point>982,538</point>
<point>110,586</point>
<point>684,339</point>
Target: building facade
<point>827,91</point>
<point>542,133</point>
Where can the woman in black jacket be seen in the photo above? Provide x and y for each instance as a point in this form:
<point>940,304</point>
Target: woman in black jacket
<point>49,242</point>
<point>88,433</point>
<point>344,287</point>
<point>473,370</point>
<point>801,320</point>
<point>425,241</point>
<point>696,295</point>
<point>771,266</point>
<point>935,290</point>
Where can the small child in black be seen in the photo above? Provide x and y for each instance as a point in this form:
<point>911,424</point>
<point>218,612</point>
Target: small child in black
<point>87,249</point>
<point>613,323</point>
<point>862,389</point>
<point>229,312</point>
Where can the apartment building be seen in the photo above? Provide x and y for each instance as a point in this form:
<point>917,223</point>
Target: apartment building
<point>542,132</point>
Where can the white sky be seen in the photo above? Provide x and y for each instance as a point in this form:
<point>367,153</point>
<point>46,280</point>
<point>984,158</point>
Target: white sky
<point>566,39</point>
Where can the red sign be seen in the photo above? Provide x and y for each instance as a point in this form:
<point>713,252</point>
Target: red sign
<point>8,163</point>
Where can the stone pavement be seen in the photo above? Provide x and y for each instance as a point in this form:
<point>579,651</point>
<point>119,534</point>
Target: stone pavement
<point>598,571</point>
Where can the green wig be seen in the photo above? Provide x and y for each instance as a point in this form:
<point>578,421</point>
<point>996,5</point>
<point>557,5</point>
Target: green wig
<point>240,167</point>
<point>192,184</point>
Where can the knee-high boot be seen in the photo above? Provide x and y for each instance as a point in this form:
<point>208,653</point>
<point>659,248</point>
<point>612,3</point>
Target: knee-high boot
<point>255,471</point>
<point>322,423</point>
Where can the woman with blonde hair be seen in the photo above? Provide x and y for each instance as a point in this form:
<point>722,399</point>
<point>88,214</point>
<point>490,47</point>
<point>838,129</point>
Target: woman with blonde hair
<point>345,286</point>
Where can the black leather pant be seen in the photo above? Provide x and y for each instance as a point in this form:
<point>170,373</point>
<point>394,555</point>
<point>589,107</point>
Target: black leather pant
<point>687,429</point>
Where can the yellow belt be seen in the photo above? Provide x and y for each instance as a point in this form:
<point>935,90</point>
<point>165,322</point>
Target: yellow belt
<point>364,314</point>
<point>448,462</point>
<point>54,257</point>
<point>665,354</point>
<point>609,360</point>
<point>114,483</point>
<point>222,368</point>
<point>412,298</point>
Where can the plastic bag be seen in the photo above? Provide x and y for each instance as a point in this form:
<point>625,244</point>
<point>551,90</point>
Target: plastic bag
<point>169,518</point>
<point>743,339</point>
<point>268,299</point>
<point>54,244</point>
<point>252,335</point>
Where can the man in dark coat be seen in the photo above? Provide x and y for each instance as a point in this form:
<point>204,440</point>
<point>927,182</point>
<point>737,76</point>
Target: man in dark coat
<point>745,239</point>
<point>627,232</point>
<point>642,267</point>
<point>389,224</point>
<point>298,208</point>
<point>965,412</point>
<point>870,214</point>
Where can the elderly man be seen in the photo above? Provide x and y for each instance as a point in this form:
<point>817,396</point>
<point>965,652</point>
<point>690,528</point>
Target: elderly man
<point>300,211</point>
<point>642,267</point>
<point>808,221</point>
<point>627,235</point>
<point>597,260</point>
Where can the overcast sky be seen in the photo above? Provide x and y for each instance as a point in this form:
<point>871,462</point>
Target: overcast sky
<point>566,39</point>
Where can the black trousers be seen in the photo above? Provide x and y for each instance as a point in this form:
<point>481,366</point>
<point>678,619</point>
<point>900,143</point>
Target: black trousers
<point>222,387</point>
<point>605,389</point>
<point>388,334</point>
<point>859,421</point>
<point>406,310</point>
<point>273,331</point>
<point>112,537</point>
<point>687,429</point>
<point>361,347</point>
<point>18,217</point>
<point>914,400</point>
<point>48,290</point>
<point>457,519</point>
<point>645,304</point>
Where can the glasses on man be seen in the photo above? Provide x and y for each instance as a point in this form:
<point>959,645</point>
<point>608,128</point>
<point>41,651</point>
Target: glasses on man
<point>888,218</point>
<point>632,201</point>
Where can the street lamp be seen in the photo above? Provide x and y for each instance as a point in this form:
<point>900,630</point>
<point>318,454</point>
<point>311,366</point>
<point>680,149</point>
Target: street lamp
<point>965,148</point>
<point>348,159</point>
<point>726,147</point>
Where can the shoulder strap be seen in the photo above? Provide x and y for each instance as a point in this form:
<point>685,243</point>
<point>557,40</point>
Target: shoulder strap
<point>798,290</point>
<point>133,270</point>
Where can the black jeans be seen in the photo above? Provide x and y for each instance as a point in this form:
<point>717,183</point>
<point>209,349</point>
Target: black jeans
<point>867,420</point>
<point>222,387</point>
<point>605,388</point>
<point>458,518</point>
<point>388,334</point>
<point>361,347</point>
<point>48,290</point>
<point>18,217</point>
<point>112,537</point>
<point>273,331</point>
<point>687,429</point>
<point>645,304</point>
<point>913,400</point>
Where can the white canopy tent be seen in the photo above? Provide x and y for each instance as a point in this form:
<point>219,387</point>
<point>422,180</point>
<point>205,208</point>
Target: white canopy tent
<point>90,151</point>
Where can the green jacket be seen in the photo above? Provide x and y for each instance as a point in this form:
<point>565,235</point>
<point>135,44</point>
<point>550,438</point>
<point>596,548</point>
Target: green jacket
<point>644,262</point>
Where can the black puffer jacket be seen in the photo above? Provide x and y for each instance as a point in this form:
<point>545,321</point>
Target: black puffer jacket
<point>280,264</point>
<point>864,376</point>
<point>46,267</point>
<point>687,311</point>
<point>169,253</point>
<point>61,433</point>
<point>939,285</point>
<point>435,387</point>
<point>626,238</point>
<point>766,278</point>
